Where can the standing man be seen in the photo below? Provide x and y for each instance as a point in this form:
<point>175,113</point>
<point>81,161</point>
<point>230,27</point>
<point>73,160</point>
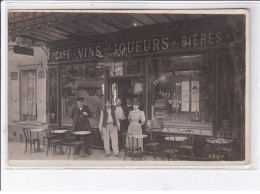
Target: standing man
<point>108,127</point>
<point>80,115</point>
<point>120,115</point>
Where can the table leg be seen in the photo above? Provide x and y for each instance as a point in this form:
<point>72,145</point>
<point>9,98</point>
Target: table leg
<point>38,146</point>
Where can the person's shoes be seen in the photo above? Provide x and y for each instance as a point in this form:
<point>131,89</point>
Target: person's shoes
<point>89,152</point>
<point>107,155</point>
<point>117,156</point>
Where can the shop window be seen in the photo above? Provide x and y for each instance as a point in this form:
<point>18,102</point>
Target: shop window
<point>84,79</point>
<point>29,95</point>
<point>134,67</point>
<point>182,89</point>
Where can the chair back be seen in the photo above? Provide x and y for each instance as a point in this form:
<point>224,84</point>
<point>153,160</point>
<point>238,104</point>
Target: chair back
<point>167,143</point>
<point>154,128</point>
<point>190,135</point>
<point>215,150</point>
<point>226,134</point>
<point>128,140</point>
<point>27,134</point>
<point>69,137</point>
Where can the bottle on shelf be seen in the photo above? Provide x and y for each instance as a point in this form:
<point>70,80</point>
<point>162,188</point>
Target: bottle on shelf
<point>196,116</point>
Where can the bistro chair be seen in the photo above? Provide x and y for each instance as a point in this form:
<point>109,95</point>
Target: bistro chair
<point>154,142</point>
<point>215,150</point>
<point>72,141</point>
<point>49,135</point>
<point>129,149</point>
<point>187,147</point>
<point>53,141</point>
<point>169,147</point>
<point>30,140</point>
<point>227,149</point>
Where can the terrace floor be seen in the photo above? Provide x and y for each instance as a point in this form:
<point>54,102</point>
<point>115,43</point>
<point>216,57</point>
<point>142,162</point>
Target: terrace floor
<point>16,152</point>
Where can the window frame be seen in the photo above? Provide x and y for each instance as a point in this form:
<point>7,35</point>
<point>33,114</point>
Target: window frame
<point>21,77</point>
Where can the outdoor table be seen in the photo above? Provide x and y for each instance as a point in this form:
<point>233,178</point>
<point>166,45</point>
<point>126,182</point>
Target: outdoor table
<point>137,137</point>
<point>60,132</point>
<point>176,141</point>
<point>82,133</point>
<point>38,137</point>
<point>175,138</point>
<point>219,140</point>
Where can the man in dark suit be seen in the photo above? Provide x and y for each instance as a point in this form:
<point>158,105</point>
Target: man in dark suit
<point>80,115</point>
<point>127,109</point>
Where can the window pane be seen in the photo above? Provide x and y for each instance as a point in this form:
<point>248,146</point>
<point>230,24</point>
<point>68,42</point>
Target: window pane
<point>28,95</point>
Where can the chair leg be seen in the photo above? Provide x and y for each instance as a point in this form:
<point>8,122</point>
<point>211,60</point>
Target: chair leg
<point>163,156</point>
<point>39,144</point>
<point>132,155</point>
<point>26,143</point>
<point>69,152</point>
<point>48,146</point>
<point>54,149</point>
<point>154,156</point>
<point>30,147</point>
<point>192,155</point>
<point>145,150</point>
<point>125,154</point>
<point>43,143</point>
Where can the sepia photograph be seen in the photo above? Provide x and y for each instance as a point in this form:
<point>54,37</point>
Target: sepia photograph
<point>127,87</point>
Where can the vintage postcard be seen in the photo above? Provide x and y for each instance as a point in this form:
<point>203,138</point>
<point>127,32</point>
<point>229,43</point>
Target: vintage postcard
<point>128,88</point>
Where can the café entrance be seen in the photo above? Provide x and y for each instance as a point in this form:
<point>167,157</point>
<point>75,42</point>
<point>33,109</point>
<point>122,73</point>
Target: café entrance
<point>127,87</point>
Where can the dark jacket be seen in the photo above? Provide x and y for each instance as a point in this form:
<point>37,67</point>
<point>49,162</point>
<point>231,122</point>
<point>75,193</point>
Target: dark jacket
<point>105,117</point>
<point>75,116</point>
<point>126,110</point>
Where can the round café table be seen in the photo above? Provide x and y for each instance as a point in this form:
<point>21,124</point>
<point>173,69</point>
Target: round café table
<point>38,137</point>
<point>140,137</point>
<point>219,141</point>
<point>60,132</point>
<point>83,133</point>
<point>175,138</point>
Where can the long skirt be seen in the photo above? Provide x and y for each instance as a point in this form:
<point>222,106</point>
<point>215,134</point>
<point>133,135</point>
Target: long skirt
<point>135,128</point>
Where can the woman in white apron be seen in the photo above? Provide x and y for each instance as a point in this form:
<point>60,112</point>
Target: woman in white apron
<point>137,119</point>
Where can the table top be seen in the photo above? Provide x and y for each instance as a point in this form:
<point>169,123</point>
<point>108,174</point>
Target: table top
<point>59,131</point>
<point>82,132</point>
<point>37,130</point>
<point>140,136</point>
<point>175,138</point>
<point>219,140</point>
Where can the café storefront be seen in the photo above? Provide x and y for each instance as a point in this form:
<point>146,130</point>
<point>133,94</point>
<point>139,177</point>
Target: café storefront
<point>189,77</point>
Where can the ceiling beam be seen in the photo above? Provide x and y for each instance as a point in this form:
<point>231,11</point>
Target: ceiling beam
<point>42,35</point>
<point>35,37</point>
<point>52,17</point>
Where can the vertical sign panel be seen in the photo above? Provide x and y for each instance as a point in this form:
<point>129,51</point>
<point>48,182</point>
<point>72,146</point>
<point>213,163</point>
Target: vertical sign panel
<point>195,96</point>
<point>185,93</point>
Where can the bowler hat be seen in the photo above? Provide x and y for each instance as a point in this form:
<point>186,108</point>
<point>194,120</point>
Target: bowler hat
<point>80,97</point>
